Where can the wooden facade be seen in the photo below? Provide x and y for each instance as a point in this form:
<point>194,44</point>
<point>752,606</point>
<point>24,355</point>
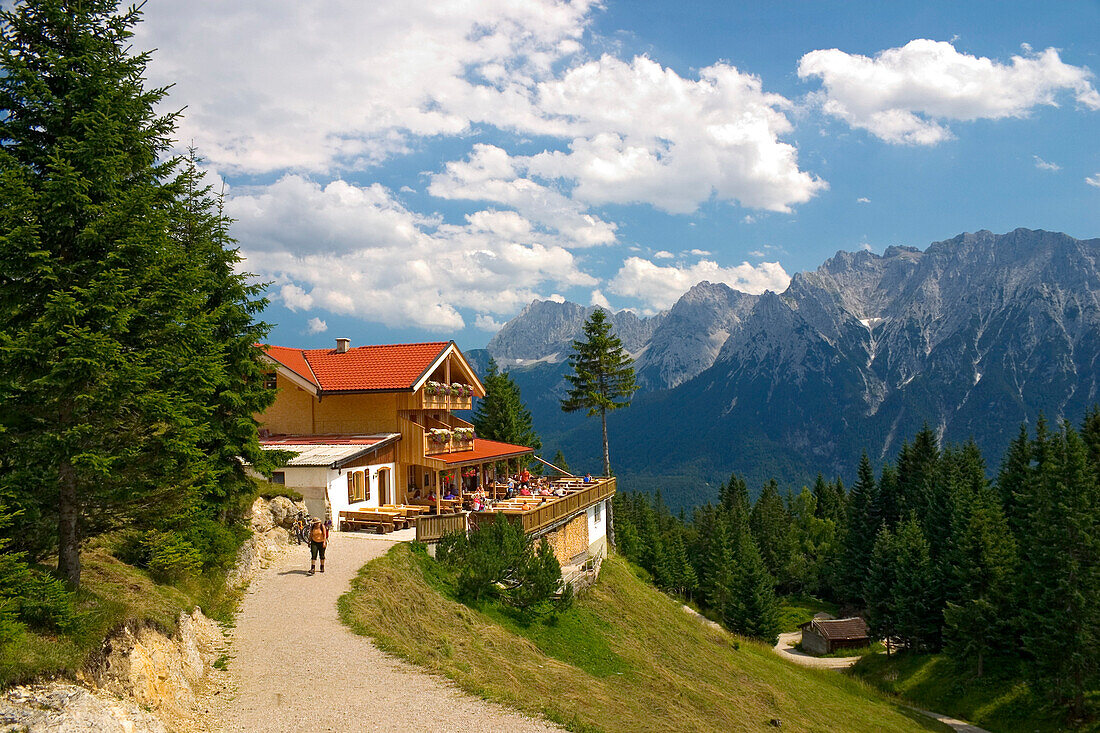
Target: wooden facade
<point>303,408</point>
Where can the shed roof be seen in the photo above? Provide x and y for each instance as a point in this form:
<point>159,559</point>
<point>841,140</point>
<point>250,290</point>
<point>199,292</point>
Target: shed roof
<point>839,629</point>
<point>484,450</point>
<point>327,451</point>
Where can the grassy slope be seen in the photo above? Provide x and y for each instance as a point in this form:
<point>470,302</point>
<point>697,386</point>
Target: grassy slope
<point>112,593</point>
<point>1000,703</point>
<point>625,657</point>
<point>797,610</point>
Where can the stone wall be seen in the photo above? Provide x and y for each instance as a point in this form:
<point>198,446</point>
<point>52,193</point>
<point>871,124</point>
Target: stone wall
<point>570,540</point>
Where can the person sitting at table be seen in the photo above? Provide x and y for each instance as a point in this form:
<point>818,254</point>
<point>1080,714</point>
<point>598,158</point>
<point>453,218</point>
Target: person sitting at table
<point>524,491</point>
<point>450,495</point>
<point>560,491</point>
<point>544,492</point>
<point>431,496</point>
<point>416,494</point>
<point>588,478</point>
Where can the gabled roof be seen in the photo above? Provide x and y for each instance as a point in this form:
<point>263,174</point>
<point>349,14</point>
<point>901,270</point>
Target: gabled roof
<point>332,451</point>
<point>839,629</point>
<point>362,368</point>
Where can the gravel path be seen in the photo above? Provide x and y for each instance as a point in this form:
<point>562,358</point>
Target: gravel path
<point>785,648</point>
<point>295,667</point>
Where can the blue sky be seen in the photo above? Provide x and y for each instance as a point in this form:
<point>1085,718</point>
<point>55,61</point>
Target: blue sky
<point>421,170</point>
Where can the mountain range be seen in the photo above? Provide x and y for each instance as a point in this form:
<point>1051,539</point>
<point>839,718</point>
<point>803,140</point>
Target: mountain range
<point>971,336</point>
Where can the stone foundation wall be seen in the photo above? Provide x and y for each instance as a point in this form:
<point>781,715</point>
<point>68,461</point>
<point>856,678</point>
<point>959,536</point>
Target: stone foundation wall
<point>570,540</point>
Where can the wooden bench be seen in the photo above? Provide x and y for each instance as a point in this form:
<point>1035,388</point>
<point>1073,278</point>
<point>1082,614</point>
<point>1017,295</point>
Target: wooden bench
<point>380,522</point>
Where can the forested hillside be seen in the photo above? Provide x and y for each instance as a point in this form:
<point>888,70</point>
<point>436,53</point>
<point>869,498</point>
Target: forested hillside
<point>1002,576</point>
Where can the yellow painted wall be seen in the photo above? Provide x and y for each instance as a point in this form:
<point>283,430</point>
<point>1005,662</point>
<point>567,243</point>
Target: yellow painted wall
<point>292,413</point>
<point>356,413</point>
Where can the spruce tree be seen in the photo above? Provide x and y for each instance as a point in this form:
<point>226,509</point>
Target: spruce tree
<point>914,597</point>
<point>753,609</point>
<point>984,568</point>
<point>771,529</point>
<point>878,588</point>
<point>863,524</point>
<point>716,582</point>
<point>1060,547</point>
<point>128,375</point>
<point>601,377</point>
<point>560,462</point>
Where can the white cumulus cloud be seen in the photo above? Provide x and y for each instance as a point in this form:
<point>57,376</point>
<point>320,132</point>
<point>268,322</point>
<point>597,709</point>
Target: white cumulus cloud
<point>357,251</point>
<point>660,286</point>
<point>316,325</point>
<point>313,86</point>
<point>907,94</point>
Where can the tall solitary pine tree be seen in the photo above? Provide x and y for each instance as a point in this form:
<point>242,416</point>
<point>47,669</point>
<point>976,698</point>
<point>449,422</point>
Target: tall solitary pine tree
<point>602,375</point>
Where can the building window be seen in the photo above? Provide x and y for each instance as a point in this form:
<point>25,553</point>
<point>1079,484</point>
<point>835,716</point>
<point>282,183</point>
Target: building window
<point>270,381</point>
<point>278,478</point>
<point>597,511</point>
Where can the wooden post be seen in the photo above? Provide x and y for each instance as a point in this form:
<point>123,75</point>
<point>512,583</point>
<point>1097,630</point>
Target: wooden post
<point>438,494</point>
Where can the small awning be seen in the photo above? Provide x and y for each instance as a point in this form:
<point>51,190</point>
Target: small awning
<point>327,451</point>
<point>484,451</point>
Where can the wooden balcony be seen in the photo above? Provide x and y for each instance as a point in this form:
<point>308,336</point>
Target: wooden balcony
<point>454,444</point>
<point>432,528</point>
<point>554,510</point>
<point>448,401</point>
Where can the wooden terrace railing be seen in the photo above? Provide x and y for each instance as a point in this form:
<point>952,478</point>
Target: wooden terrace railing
<point>555,509</point>
<point>432,528</point>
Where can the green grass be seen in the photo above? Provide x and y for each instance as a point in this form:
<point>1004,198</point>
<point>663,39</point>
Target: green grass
<point>859,651</point>
<point>797,610</point>
<point>112,593</point>
<point>1000,701</point>
<point>624,658</point>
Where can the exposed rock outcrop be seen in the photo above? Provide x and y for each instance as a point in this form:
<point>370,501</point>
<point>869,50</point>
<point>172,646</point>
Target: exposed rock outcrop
<point>271,521</point>
<point>65,708</point>
<point>156,671</point>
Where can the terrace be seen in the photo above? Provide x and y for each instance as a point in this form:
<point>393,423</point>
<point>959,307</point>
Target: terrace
<point>536,513</point>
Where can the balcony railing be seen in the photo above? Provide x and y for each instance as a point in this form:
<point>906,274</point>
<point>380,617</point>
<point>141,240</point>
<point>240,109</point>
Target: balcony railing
<point>436,395</point>
<point>451,436</point>
<point>432,528</point>
<point>554,510</point>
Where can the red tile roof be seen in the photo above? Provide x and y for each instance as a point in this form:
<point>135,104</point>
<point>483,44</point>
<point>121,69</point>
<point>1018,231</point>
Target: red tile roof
<point>391,367</point>
<point>484,450</point>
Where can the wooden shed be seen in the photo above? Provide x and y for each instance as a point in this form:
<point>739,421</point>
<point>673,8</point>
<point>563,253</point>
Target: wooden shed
<point>824,636</point>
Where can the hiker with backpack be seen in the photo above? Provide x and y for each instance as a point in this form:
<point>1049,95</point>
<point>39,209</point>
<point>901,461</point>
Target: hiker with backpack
<point>318,541</point>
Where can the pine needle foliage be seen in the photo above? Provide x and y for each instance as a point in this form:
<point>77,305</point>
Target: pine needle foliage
<point>601,377</point>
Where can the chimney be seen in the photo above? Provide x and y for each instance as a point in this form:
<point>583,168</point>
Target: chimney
<point>342,346</point>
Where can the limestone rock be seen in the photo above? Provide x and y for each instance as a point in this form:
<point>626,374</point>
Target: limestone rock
<point>283,511</point>
<point>156,671</point>
<point>261,519</point>
<point>65,708</point>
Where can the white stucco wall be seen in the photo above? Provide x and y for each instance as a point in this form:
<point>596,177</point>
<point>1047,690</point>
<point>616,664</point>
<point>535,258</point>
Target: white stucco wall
<point>338,489</point>
<point>597,530</point>
<point>312,483</point>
